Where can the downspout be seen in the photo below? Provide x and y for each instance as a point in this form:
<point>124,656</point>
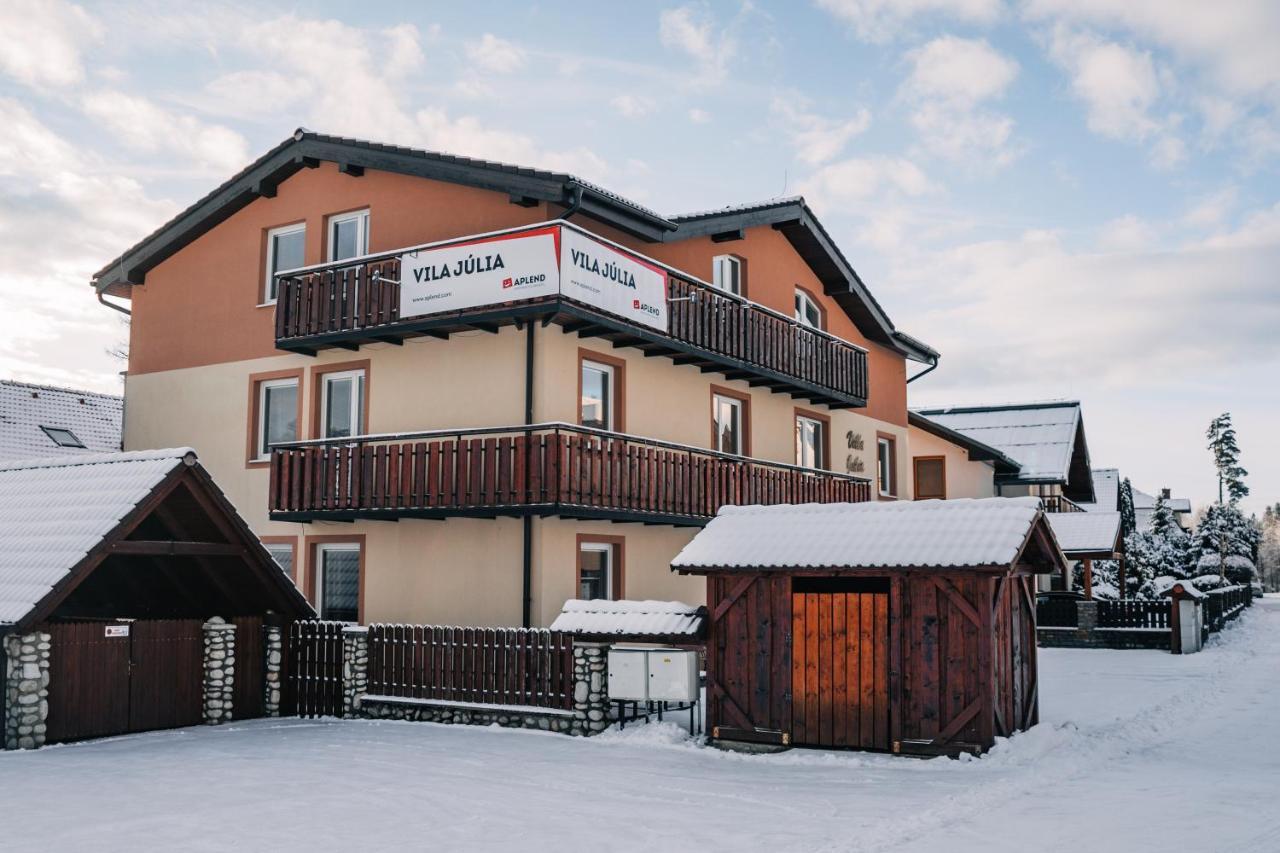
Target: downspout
<point>527,609</point>
<point>114,307</point>
<point>933,365</point>
<point>575,203</point>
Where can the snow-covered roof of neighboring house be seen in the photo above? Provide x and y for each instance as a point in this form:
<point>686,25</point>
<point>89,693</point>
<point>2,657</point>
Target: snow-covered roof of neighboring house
<point>950,534</point>
<point>1106,488</point>
<point>1046,439</point>
<point>54,510</point>
<point>1086,534</point>
<point>977,451</point>
<point>1142,500</point>
<point>630,618</point>
<point>35,420</point>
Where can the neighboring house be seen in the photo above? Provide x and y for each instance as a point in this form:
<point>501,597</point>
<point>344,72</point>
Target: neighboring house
<point>517,421</point>
<point>1144,507</point>
<point>1046,440</point>
<point>38,421</point>
<point>950,464</point>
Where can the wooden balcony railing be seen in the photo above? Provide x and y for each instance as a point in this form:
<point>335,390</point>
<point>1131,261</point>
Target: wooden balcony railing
<point>1058,503</point>
<point>353,302</point>
<point>541,469</point>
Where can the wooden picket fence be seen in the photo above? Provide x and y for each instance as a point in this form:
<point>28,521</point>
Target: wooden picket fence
<point>313,669</point>
<point>1134,613</point>
<point>1224,604</point>
<point>490,666</point>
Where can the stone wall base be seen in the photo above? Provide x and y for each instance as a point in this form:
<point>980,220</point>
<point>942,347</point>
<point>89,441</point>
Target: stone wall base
<point>424,711</point>
<point>1103,638</point>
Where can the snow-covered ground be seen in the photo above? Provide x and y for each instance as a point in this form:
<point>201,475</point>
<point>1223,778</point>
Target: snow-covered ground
<point>1138,751</point>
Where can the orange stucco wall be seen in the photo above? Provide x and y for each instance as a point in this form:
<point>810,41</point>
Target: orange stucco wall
<point>201,306</point>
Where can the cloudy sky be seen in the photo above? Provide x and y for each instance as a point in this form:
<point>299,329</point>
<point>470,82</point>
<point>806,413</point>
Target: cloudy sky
<point>1068,198</point>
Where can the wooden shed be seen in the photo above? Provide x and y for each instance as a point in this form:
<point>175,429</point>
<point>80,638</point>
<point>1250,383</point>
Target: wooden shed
<point>897,626</point>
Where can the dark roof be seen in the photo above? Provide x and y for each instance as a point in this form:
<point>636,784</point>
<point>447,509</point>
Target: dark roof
<point>306,148</point>
<point>793,217</point>
<point>978,451</point>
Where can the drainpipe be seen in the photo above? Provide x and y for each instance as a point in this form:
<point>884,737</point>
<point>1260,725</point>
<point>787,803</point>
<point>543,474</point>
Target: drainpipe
<point>527,611</point>
<point>933,365</point>
<point>575,203</point>
<point>113,306</point>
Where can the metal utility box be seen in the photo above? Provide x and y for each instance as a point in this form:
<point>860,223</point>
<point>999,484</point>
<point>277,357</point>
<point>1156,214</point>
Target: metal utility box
<point>629,674</point>
<point>673,675</point>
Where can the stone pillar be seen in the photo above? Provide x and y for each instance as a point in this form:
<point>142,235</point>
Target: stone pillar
<point>273,660</point>
<point>355,668</point>
<point>26,689</point>
<point>1086,615</point>
<point>590,688</point>
<point>219,670</point>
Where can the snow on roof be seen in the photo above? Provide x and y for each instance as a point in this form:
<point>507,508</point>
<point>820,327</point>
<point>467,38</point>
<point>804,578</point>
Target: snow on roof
<point>53,511</point>
<point>1040,436</point>
<point>629,618</point>
<point>1165,584</point>
<point>1106,487</point>
<point>962,533</point>
<point>27,410</point>
<point>1085,532</point>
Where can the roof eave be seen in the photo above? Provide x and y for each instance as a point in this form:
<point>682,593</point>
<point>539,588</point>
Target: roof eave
<point>1004,465</point>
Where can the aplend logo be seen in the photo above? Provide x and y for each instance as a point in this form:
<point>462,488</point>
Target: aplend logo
<point>506,282</point>
<point>645,307</point>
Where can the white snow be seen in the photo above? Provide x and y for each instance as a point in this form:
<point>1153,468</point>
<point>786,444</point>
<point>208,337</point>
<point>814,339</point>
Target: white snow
<point>875,534</point>
<point>1137,751</point>
<point>1040,436</point>
<point>1085,532</point>
<point>628,618</point>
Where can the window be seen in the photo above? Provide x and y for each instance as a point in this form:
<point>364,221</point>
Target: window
<point>337,582</point>
<point>597,395</point>
<point>930,477</point>
<point>600,567</point>
<point>726,273</point>
<point>807,310</point>
<point>286,248</point>
<point>886,466</point>
<point>342,404</point>
<point>62,437</point>
<point>811,442</point>
<point>282,553</point>
<point>729,423</point>
<point>277,414</point>
<point>348,235</point>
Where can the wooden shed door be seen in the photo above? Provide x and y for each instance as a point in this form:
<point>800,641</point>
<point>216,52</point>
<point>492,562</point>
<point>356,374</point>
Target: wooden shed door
<point>840,667</point>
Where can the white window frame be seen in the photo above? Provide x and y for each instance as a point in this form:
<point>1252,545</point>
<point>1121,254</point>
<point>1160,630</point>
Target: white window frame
<point>611,402</point>
<point>804,302</point>
<point>819,442</point>
<point>361,218</point>
<point>325,548</point>
<point>262,451</point>
<point>357,401</point>
<point>598,547</point>
<point>888,460</point>
<point>720,265</point>
<point>269,298</point>
<point>741,407</point>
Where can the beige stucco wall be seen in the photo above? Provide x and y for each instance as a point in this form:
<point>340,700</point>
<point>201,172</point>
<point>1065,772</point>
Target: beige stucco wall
<point>469,570</point>
<point>965,478</point>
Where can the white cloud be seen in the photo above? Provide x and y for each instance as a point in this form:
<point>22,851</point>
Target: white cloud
<point>699,116</point>
<point>861,178</point>
<point>43,41</point>
<point>145,126</point>
<point>254,92</point>
<point>468,136</point>
<point>951,78</point>
<point>1211,210</point>
<point>817,138</point>
<point>881,20</point>
<point>693,31</point>
<point>1127,234</point>
<point>633,106</point>
<point>495,54</point>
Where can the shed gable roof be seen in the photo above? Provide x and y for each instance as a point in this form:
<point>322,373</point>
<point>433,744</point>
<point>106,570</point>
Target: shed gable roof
<point>1086,534</point>
<point>968,533</point>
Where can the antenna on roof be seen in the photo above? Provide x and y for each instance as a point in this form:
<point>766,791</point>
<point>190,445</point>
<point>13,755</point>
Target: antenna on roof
<point>784,184</point>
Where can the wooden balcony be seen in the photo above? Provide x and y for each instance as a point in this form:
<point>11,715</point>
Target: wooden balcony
<point>350,303</point>
<point>542,469</point>
<point>1058,503</point>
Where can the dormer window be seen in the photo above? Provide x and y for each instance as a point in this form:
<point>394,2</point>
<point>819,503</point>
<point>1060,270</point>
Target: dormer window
<point>62,437</point>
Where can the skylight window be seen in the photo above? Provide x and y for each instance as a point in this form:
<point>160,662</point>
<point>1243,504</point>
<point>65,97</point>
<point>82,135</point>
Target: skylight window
<point>62,437</point>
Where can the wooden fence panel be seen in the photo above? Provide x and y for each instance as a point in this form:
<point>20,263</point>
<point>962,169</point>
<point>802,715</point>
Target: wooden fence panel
<point>313,683</point>
<point>250,672</point>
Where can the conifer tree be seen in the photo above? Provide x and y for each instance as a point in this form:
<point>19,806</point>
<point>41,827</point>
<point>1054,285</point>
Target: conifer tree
<point>1226,458</point>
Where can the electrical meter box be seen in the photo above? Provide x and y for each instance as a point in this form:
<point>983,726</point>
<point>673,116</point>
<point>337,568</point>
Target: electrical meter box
<point>628,674</point>
<point>673,675</point>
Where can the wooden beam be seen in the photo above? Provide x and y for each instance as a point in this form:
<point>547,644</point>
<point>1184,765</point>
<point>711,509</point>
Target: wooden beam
<point>351,169</point>
<point>727,236</point>
<point>176,548</point>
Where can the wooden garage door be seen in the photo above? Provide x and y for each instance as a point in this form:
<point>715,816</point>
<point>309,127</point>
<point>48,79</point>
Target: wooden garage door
<point>840,664</point>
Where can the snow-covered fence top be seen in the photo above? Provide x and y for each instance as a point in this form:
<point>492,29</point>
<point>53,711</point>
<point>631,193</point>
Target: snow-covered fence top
<point>621,619</point>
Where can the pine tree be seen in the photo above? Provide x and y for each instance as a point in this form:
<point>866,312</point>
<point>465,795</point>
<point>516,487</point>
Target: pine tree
<point>1225,540</point>
<point>1128,518</point>
<point>1226,458</point>
<point>1158,552</point>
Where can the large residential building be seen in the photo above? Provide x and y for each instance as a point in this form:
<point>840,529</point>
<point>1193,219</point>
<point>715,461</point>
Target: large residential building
<point>448,390</point>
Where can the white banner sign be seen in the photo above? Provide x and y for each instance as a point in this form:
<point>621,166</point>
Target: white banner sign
<point>600,275</point>
<point>116,631</point>
<point>490,272</point>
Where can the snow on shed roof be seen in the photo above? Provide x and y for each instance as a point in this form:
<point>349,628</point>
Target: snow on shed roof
<point>25,410</point>
<point>1040,436</point>
<point>53,511</point>
<point>964,533</point>
<point>1106,487</point>
<point>630,618</point>
<point>1085,532</point>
